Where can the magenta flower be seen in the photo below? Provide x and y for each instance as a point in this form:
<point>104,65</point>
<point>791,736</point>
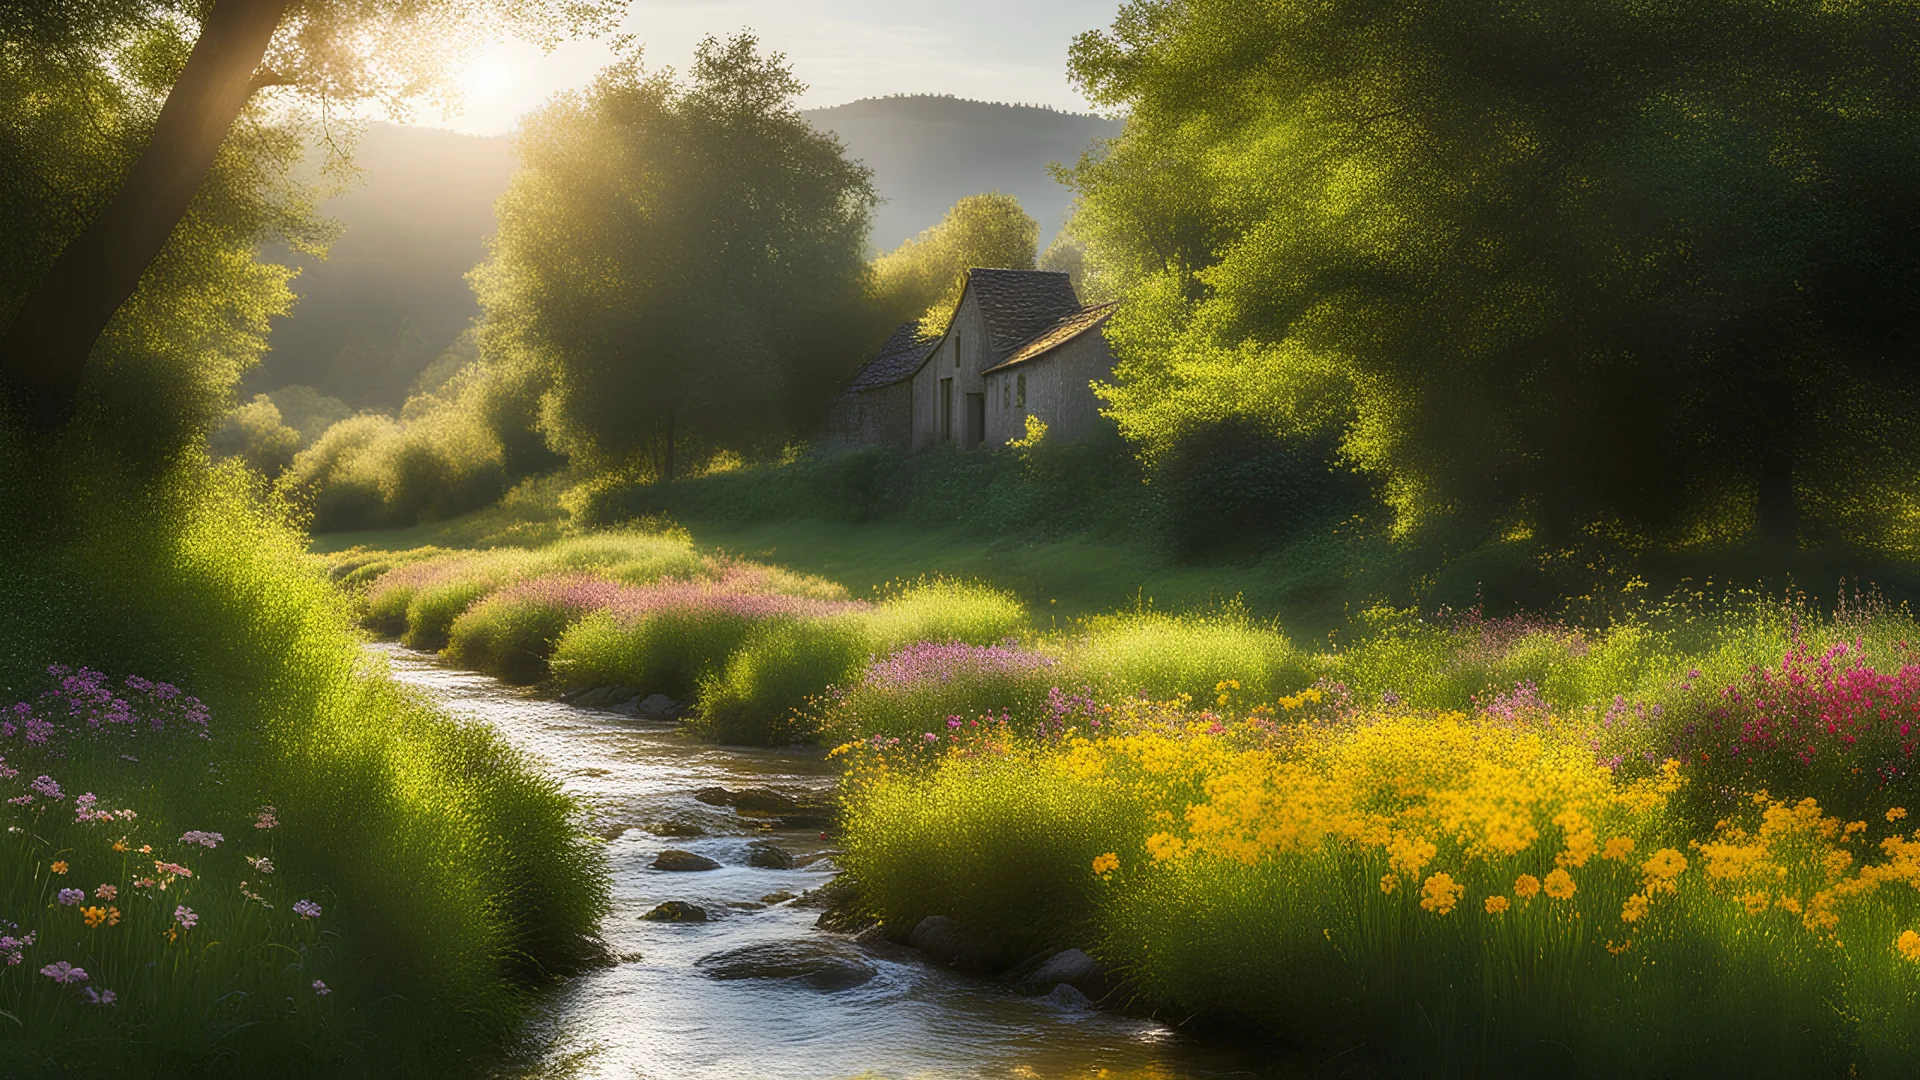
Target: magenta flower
<point>64,973</point>
<point>306,909</point>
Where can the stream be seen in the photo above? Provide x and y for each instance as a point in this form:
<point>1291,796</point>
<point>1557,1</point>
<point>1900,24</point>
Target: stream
<point>660,1014</point>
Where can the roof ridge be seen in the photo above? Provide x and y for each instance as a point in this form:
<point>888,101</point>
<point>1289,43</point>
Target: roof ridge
<point>1064,329</point>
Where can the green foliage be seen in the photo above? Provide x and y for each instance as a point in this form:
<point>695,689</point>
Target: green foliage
<point>308,411</point>
<point>1164,655</point>
<point>755,697</point>
<point>942,609</point>
<point>671,651</point>
<point>79,91</point>
<point>440,459</point>
<point>508,637</point>
<point>1582,267</point>
<point>922,279</point>
<point>680,260</point>
<point>255,434</point>
<point>449,867</point>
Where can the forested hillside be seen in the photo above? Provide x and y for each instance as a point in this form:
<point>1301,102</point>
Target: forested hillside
<point>392,294</point>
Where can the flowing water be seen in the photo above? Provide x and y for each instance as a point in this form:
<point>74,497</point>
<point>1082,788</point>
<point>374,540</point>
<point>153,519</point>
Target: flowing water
<point>660,1015</point>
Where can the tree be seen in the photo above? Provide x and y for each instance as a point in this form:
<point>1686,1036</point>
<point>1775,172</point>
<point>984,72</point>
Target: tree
<point>923,277</point>
<point>321,50</point>
<point>1561,267</point>
<point>684,259</point>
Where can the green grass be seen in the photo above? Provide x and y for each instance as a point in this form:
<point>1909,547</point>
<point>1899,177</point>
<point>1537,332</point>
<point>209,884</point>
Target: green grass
<point>451,870</point>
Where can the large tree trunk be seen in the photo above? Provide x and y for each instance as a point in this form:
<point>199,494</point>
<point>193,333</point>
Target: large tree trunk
<point>44,349</point>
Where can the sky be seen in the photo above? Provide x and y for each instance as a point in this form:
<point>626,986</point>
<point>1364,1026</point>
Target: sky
<point>844,50</point>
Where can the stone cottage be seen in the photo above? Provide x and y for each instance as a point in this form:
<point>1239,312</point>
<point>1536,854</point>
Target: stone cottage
<point>1019,344</point>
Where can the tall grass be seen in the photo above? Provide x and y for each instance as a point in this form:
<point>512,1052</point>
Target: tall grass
<point>1164,655</point>
<point>452,870</point>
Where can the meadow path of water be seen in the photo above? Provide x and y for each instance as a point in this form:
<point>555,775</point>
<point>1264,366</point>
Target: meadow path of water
<point>658,1015</point>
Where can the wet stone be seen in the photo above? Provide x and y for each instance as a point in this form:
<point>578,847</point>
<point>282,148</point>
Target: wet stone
<point>714,796</point>
<point>821,965</point>
<point>675,828</point>
<point>769,856</point>
<point>682,861</point>
<point>780,897</point>
<point>676,911</point>
<point>764,801</point>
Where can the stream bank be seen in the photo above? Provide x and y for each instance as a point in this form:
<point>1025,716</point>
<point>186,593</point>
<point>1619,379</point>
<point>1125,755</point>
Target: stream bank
<point>751,987</point>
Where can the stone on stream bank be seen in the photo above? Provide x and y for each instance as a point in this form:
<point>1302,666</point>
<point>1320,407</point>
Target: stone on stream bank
<point>819,964</point>
<point>627,701</point>
<point>682,861</point>
<point>768,855</point>
<point>676,911</point>
<point>765,803</point>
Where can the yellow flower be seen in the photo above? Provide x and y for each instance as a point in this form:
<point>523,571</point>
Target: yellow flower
<point>1559,885</point>
<point>1634,909</point>
<point>1389,882</point>
<point>1908,946</point>
<point>1526,886</point>
<point>1497,904</point>
<point>1755,902</point>
<point>94,915</point>
<point>1580,848</point>
<point>1441,893</point>
<point>113,916</point>
<point>1894,815</point>
<point>1106,864</point>
<point>119,845</point>
<point>1165,846</point>
<point>1618,848</point>
<point>60,867</point>
<point>1665,865</point>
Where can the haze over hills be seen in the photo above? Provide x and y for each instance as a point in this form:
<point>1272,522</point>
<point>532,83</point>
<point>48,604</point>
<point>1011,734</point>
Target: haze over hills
<point>392,295</point>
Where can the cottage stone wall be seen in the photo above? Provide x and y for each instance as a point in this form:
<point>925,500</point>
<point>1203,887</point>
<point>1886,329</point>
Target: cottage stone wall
<point>961,356</point>
<point>1057,388</point>
<point>879,417</point>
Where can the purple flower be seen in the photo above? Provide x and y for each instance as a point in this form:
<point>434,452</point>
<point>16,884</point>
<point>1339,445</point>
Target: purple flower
<point>46,785</point>
<point>185,916</point>
<point>320,988</point>
<point>208,840</point>
<point>102,997</point>
<point>64,973</point>
<point>70,897</point>
<point>306,909</point>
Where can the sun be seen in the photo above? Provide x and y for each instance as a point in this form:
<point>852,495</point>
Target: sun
<point>488,79</point>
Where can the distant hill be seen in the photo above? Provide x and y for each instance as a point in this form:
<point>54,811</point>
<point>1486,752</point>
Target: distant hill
<point>926,152</point>
<point>392,295</point>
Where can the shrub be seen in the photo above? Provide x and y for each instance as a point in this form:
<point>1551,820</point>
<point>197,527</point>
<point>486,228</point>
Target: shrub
<point>511,633</point>
<point>941,609</point>
<point>938,686</point>
<point>754,697</point>
<point>255,434</point>
<point>1163,655</point>
<point>453,869</point>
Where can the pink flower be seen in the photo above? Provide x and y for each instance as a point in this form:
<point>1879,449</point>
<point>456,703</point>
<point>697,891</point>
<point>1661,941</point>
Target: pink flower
<point>185,917</point>
<point>306,909</point>
<point>208,840</point>
<point>266,820</point>
<point>64,973</point>
<point>320,988</point>
<point>106,892</point>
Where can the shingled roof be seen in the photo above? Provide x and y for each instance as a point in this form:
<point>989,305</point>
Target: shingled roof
<point>1057,335</point>
<point>1018,304</point>
<point>899,358</point>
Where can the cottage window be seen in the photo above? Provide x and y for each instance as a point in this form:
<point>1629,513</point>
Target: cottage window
<point>1021,393</point>
<point>956,348</point>
<point>1006,394</point>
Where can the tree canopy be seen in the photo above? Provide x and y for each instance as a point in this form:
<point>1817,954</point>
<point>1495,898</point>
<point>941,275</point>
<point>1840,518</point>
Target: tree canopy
<point>166,82</point>
<point>683,260</point>
<point>923,277</point>
<point>1557,266</point>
